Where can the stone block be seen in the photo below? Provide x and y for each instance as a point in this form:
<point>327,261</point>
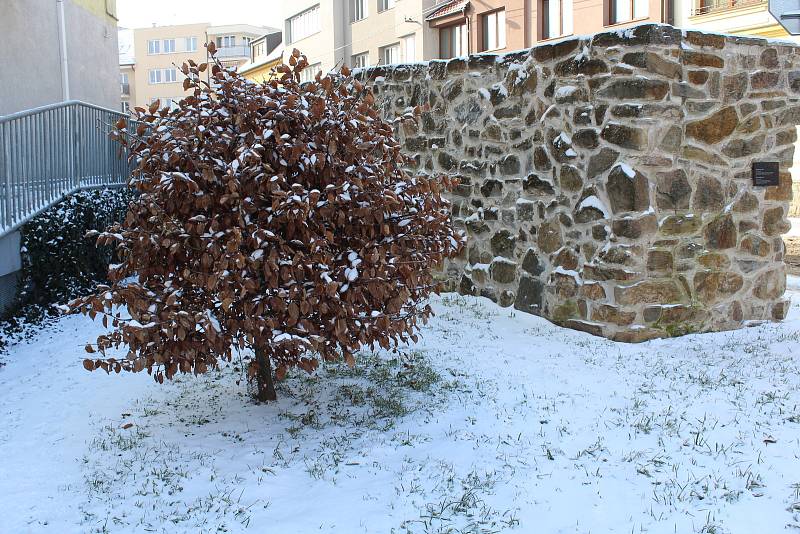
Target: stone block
<point>503,243</point>
<point>770,285</point>
<point>721,233</point>
<point>606,313</point>
<point>627,190</point>
<point>660,261</point>
<point>712,286</point>
<point>653,291</point>
<point>634,227</point>
<point>673,190</point>
<point>529,295</point>
<point>503,270</point>
<point>714,128</point>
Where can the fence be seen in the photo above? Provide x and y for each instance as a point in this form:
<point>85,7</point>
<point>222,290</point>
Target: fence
<point>52,151</point>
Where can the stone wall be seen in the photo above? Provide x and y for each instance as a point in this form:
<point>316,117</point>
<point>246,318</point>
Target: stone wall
<point>606,180</point>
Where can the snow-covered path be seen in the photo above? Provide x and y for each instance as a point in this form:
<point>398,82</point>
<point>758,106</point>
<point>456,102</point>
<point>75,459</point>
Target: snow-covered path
<point>496,421</point>
<point>795,230</point>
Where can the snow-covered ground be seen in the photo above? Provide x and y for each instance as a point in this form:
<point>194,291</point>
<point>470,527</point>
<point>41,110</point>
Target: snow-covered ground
<point>496,421</point>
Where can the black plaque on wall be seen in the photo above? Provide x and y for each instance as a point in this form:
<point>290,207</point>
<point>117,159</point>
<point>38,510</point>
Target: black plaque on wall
<point>765,173</point>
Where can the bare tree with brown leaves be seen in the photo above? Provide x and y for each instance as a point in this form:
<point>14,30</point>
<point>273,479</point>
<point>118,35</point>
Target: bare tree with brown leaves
<point>277,217</point>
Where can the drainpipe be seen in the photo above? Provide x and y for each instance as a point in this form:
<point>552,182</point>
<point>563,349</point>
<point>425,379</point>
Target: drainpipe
<point>62,29</point>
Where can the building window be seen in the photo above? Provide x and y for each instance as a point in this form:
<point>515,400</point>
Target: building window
<point>163,75</point>
<point>360,61</point>
<point>627,10</point>
<point>226,41</point>
<point>258,50</point>
<point>493,26</point>
<point>126,107</point>
<point>153,47</point>
<point>309,73</point>
<point>453,41</point>
<point>169,46</point>
<point>556,18</point>
<point>358,10</point>
<point>390,54</point>
<point>124,83</point>
<point>383,5</point>
<point>303,24</point>
<point>165,102</point>
<point>409,48</point>
<point>191,44</point>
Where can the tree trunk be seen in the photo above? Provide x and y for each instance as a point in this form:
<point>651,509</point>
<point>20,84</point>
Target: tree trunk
<point>266,386</point>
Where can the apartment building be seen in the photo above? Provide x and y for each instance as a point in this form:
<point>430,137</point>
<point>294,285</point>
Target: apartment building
<point>158,52</point>
<point>358,33</point>
<point>369,32</point>
<point>742,17</point>
<point>468,27</point>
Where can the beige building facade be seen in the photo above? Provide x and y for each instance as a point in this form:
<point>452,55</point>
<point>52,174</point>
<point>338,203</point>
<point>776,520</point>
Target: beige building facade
<point>362,33</point>
<point>158,52</point>
<point>358,33</point>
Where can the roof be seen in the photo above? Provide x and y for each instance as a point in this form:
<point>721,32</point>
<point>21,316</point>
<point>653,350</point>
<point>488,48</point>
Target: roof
<point>240,28</point>
<point>450,8</point>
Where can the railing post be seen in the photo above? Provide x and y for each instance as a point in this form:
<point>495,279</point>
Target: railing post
<point>5,169</point>
<point>73,144</point>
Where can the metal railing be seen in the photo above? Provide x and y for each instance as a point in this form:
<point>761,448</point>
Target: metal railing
<point>704,7</point>
<point>233,51</point>
<point>52,151</point>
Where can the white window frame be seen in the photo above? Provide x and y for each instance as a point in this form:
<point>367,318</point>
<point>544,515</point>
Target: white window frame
<point>153,47</point>
<point>303,24</point>
<point>226,41</point>
<point>453,41</point>
<point>408,48</point>
<point>557,18</point>
<point>126,106</point>
<point>165,101</point>
<point>258,50</point>
<point>309,73</point>
<point>627,10</point>
<point>157,76</point>
<point>191,44</point>
<point>169,46</point>
<point>493,27</point>
<point>384,5</point>
<point>360,61</point>
<point>358,10</point>
<point>390,54</point>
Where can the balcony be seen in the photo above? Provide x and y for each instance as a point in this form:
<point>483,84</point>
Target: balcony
<point>715,6</point>
<point>233,52</point>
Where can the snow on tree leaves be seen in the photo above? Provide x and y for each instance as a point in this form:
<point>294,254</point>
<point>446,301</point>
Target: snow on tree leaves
<point>278,217</point>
